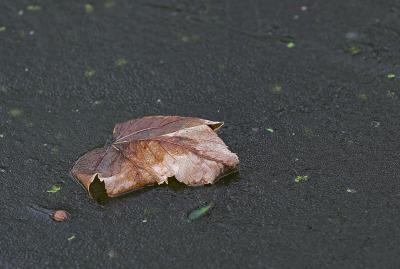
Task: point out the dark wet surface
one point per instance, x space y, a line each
318 73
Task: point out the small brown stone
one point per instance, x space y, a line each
60 215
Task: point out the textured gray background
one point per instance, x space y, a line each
336 119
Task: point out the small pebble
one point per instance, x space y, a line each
303 8
60 215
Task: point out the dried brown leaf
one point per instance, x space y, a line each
152 149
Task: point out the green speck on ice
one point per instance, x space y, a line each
109 4
290 45
308 131
55 188
221 67
89 8
199 212
276 88
90 73
299 179
354 50
121 62
391 75
190 38
270 130
363 97
33 8
71 237
15 112
2 28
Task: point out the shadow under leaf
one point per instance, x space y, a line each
98 191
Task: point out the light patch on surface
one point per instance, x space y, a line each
351 190
299 179
352 35
290 45
276 88
375 124
354 50
363 97
71 237
89 8
391 75
109 4
90 73
15 112
121 61
190 38
33 8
